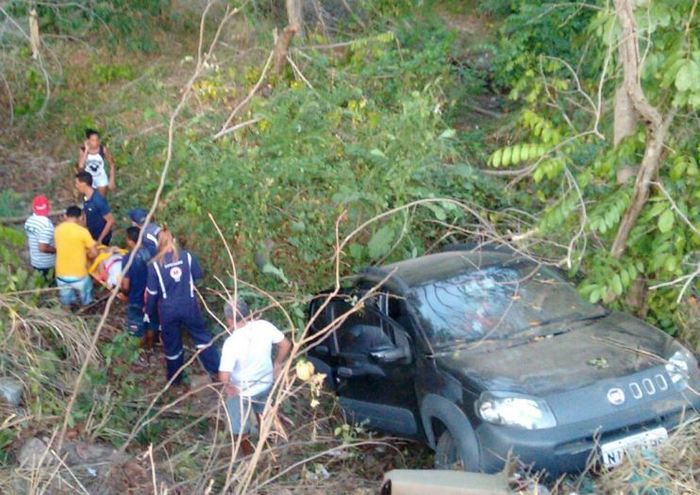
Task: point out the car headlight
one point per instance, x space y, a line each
680 366
503 408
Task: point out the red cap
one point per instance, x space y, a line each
41 206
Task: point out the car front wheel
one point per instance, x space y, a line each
448 454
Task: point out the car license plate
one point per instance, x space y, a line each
612 453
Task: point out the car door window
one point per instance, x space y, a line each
363 339
364 330
325 340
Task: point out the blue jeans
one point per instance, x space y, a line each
70 289
241 408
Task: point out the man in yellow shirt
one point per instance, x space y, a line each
74 245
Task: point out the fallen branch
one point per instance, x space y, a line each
244 102
236 127
23 218
483 111
299 74
686 280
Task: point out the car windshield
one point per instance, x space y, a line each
496 302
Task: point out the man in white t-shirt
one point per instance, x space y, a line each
39 230
247 368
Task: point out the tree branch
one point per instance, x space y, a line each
656 126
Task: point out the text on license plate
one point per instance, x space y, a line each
613 452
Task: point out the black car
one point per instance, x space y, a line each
485 354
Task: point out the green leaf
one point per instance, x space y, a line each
356 250
380 243
671 264
437 210
616 285
447 134
624 276
539 173
517 152
507 153
657 209
496 158
666 220
688 76
270 269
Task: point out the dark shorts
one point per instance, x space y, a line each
46 274
134 320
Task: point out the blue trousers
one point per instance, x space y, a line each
171 327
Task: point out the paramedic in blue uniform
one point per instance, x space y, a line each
133 284
150 230
170 291
150 245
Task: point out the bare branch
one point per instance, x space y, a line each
245 100
674 206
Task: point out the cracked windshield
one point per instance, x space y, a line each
497 302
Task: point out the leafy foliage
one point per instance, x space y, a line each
132 21
564 142
369 136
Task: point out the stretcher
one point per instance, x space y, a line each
106 268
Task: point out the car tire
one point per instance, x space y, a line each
449 455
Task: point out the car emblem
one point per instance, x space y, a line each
616 396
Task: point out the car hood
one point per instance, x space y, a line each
589 352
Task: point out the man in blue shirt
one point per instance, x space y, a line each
150 230
134 286
98 215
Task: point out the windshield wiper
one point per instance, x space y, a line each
461 344
562 319
517 335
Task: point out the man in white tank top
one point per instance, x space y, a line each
93 158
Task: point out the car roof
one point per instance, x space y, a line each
416 271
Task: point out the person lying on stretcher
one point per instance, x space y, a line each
107 266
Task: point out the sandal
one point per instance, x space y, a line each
142 361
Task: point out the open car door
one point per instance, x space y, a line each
369 360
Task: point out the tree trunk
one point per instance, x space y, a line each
281 48
656 126
295 16
625 118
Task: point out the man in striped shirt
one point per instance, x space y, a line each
40 230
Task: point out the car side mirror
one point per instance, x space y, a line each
390 355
